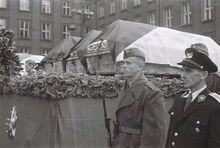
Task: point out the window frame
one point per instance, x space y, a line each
66 10
47 31
152 21
44 7
168 17
25 29
124 5
3 4
207 9
112 7
136 3
186 13
101 12
67 33
26 6
5 22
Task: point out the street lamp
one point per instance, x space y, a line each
85 14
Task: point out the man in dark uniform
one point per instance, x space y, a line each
140 116
213 82
195 114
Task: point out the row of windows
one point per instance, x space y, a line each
25 29
123 6
24 5
44 51
186 12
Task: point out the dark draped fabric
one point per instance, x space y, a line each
68 123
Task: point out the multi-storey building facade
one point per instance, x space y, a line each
40 25
195 16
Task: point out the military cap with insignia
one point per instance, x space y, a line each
133 52
197 56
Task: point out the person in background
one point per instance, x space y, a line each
140 116
39 70
29 67
195 114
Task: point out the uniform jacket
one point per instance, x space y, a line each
213 82
141 107
198 126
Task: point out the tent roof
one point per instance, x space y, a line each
167 46
90 36
81 48
122 33
62 49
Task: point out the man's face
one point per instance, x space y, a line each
192 77
130 66
29 67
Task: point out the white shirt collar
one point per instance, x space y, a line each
196 93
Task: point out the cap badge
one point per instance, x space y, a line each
189 55
201 98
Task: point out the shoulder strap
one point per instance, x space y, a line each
215 96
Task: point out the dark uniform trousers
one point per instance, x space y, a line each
198 126
140 117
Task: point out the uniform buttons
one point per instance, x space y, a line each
172 113
197 122
173 143
175 134
197 129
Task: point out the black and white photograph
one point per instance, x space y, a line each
109 73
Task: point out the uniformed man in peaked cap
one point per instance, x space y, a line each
195 114
140 115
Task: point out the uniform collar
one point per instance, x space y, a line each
141 77
196 93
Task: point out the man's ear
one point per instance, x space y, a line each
205 74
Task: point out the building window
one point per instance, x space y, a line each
66 31
102 12
136 3
207 10
24 50
24 29
168 17
212 35
149 1
66 9
2 23
186 11
86 30
138 19
112 7
2 3
24 5
45 31
152 18
124 5
45 52
46 6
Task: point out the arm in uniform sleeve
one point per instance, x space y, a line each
214 131
154 126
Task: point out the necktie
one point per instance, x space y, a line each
188 102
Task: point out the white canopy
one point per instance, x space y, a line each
167 46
